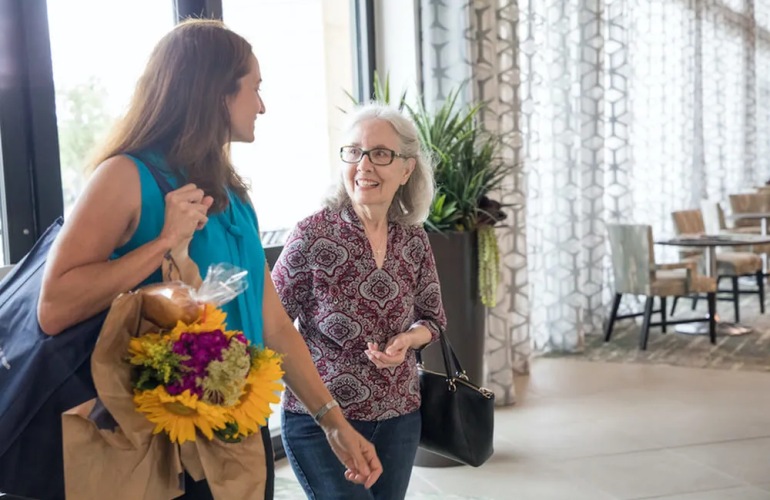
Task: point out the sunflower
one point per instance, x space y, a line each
212 319
179 415
262 385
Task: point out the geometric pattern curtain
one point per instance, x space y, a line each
454 53
614 111
631 109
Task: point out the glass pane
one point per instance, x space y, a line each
95 65
306 70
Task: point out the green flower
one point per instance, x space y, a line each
226 378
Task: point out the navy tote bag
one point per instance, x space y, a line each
41 376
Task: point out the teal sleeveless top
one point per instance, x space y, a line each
230 237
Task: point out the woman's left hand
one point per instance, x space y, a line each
394 353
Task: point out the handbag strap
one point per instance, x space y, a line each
160 179
452 365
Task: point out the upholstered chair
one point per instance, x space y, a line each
636 273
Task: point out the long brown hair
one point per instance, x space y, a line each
179 107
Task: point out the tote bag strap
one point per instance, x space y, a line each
160 179
452 366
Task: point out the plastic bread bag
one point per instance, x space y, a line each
167 303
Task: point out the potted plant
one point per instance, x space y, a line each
468 167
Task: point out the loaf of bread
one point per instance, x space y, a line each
166 303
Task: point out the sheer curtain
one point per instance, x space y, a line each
462 45
613 111
633 109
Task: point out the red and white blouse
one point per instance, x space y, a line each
327 278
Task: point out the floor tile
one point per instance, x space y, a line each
502 479
739 493
647 474
748 460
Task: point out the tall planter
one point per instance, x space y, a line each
456 256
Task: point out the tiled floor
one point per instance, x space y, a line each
598 431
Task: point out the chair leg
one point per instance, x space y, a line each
695 301
645 333
613 315
711 297
673 305
663 314
736 299
761 289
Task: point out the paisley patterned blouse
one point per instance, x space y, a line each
327 278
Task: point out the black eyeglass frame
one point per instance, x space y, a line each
365 152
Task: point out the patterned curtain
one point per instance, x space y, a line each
470 44
613 111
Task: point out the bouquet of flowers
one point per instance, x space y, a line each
170 377
200 375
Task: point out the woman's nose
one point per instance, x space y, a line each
365 164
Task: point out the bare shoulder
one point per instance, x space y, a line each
115 182
118 172
110 204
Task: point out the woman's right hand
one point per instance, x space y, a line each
354 451
186 212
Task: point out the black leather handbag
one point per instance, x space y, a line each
458 416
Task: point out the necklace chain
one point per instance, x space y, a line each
377 249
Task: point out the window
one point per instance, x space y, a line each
95 68
305 52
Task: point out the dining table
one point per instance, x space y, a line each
709 244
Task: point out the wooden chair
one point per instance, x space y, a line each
730 264
749 203
636 272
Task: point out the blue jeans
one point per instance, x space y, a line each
322 475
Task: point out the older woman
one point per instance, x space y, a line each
361 278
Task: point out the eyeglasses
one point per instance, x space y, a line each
378 156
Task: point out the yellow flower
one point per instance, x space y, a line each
262 388
212 319
139 347
179 415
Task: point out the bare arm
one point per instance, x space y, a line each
80 280
302 378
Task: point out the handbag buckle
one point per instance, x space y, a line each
452 386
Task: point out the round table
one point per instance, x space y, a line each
710 242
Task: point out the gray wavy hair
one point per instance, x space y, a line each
411 203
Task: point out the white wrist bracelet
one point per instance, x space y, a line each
324 410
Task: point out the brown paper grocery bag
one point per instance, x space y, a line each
110 451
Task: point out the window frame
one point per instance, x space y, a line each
29 141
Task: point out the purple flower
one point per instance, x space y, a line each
199 350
